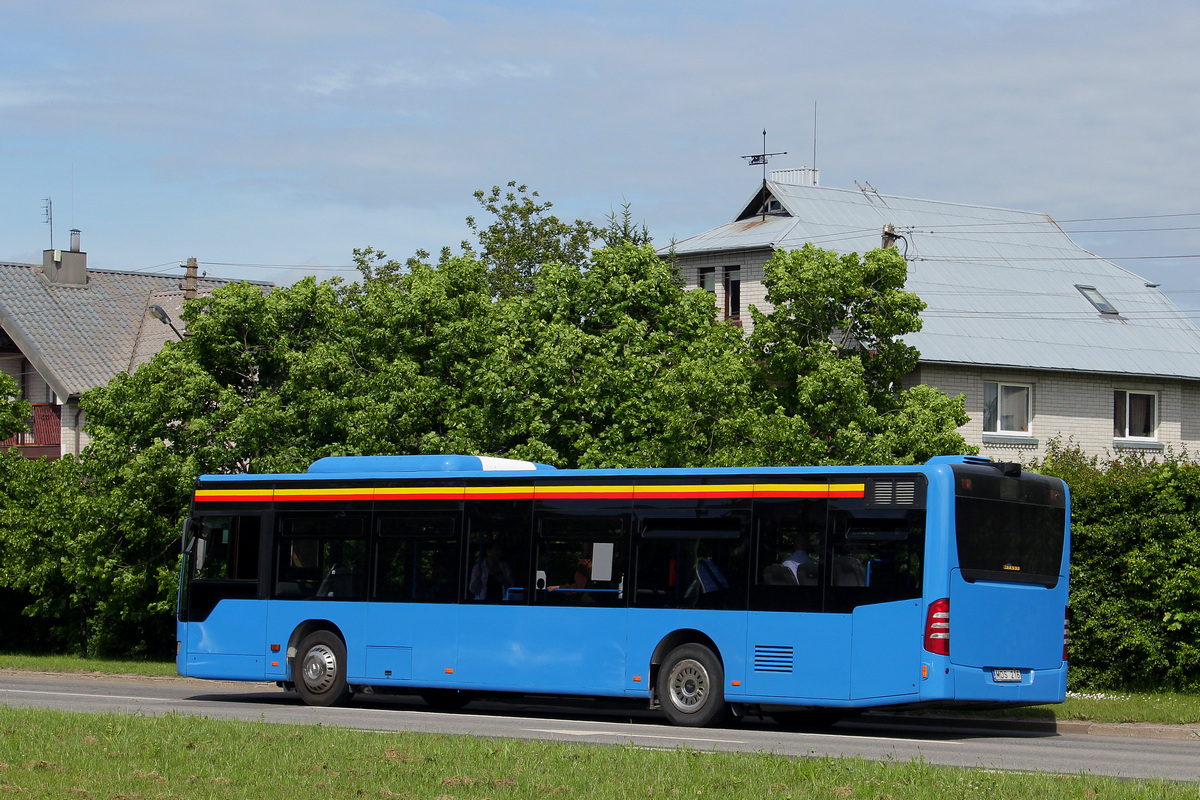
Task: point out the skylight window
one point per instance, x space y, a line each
1096 299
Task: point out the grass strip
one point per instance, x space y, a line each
112 666
56 754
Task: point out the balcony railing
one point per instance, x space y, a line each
45 428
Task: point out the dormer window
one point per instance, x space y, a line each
1096 299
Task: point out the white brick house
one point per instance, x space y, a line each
1044 339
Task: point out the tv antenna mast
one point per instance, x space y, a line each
763 158
48 211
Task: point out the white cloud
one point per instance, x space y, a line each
331 112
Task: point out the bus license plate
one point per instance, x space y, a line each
1006 675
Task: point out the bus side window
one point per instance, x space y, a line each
789 552
226 548
684 563
223 561
322 556
580 561
498 551
416 558
874 557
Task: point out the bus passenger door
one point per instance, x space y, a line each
875 561
794 651
220 609
411 635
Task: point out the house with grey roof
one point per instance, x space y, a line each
1045 339
65 328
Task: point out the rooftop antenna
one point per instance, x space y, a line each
48 211
814 135
762 158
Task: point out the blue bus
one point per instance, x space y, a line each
799 593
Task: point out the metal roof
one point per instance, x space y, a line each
1000 285
78 337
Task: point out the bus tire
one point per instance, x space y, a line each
320 670
691 687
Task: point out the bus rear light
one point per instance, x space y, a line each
937 627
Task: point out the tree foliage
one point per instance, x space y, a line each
832 362
533 346
1135 569
523 236
14 410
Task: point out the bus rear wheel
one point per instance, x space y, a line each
320 670
691 687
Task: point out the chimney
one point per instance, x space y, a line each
804 176
889 237
189 280
66 267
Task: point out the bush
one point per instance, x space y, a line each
1135 569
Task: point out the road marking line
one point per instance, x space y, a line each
98 696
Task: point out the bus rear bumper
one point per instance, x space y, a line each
975 684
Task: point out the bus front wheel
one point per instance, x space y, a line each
691 686
320 670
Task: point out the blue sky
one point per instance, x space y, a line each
273 133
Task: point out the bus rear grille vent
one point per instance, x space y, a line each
773 658
894 493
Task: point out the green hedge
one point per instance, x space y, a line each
1135 569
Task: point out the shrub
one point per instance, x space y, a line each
1135 569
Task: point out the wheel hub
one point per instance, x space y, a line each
319 669
689 685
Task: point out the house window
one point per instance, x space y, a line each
733 292
708 279
1007 407
1135 414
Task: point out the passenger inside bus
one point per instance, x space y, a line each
579 582
491 577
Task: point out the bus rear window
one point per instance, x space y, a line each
1010 529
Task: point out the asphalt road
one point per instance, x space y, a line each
606 722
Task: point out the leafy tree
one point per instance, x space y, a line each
610 366
15 411
523 236
833 361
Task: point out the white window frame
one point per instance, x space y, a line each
731 282
1122 433
998 416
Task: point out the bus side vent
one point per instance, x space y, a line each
773 658
893 493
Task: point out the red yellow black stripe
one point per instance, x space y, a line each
571 492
